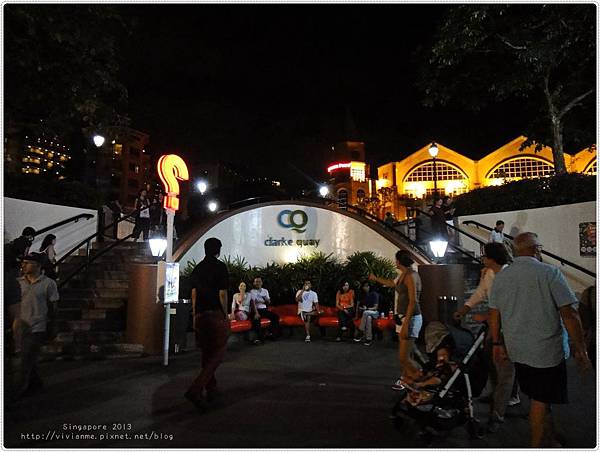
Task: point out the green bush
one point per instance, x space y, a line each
528 194
324 271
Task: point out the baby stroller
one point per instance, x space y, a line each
451 403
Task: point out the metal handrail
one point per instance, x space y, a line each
361 212
74 219
88 240
562 261
89 261
456 247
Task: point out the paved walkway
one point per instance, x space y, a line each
282 394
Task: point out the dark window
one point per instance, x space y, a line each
133 183
134 151
132 166
355 155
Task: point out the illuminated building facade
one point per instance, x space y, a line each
411 179
349 174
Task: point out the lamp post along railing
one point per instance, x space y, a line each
433 152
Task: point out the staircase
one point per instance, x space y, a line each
92 310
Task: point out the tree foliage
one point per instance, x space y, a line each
62 67
543 55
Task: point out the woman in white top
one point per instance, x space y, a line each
241 305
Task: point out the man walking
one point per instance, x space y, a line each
528 300
37 293
209 303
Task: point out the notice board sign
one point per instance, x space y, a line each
167 282
587 239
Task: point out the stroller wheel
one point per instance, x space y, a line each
474 428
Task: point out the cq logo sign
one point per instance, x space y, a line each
296 220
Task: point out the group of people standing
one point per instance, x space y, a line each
150 214
442 214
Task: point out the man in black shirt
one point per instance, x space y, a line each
209 298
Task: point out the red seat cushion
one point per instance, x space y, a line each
328 321
239 326
290 320
385 324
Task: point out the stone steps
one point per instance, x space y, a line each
91 312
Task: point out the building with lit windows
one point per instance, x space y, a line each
38 155
349 174
123 166
406 181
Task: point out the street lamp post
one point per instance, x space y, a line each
171 168
433 152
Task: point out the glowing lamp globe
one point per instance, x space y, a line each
158 245
98 140
438 247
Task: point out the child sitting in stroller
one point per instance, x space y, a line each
423 388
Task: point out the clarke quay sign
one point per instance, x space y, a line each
297 221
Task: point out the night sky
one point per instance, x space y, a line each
266 86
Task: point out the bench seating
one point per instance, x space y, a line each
288 317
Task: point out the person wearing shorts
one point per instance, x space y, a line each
308 306
529 299
406 310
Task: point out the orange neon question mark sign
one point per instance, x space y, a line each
172 168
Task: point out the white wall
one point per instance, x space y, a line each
245 234
557 227
19 213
